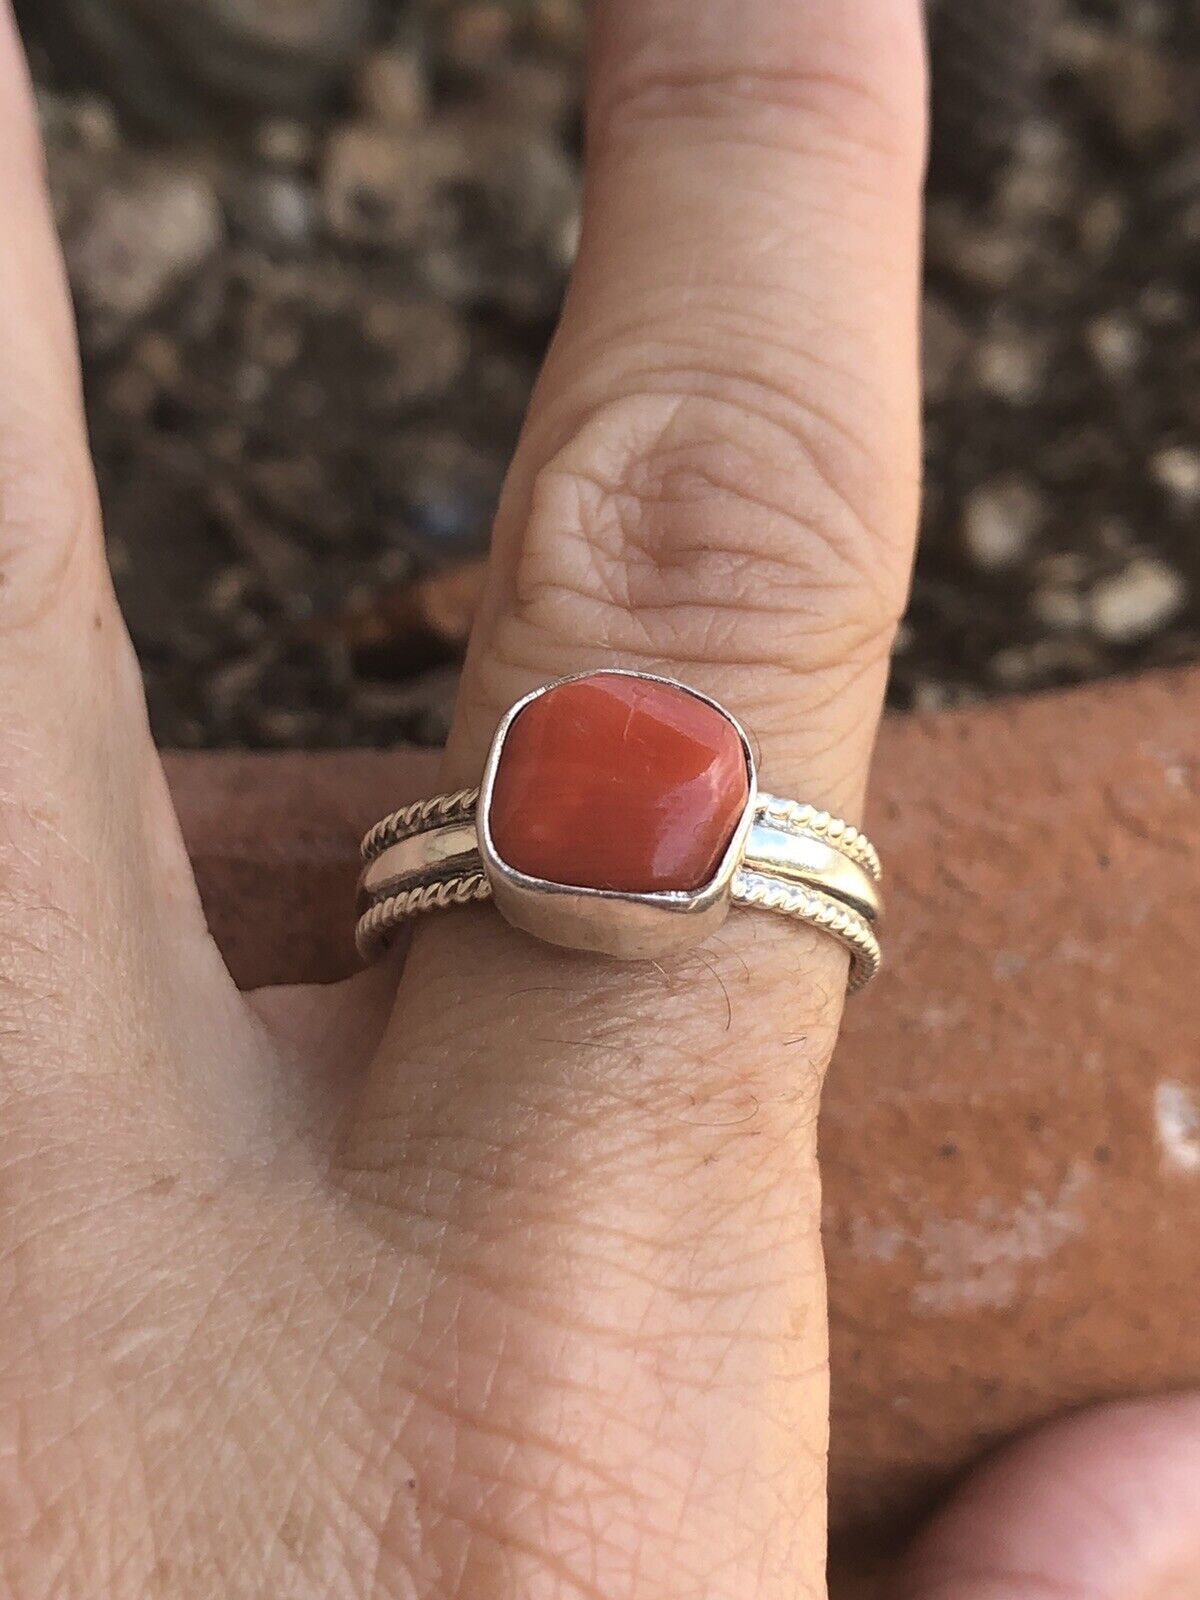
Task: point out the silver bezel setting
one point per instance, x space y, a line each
617 923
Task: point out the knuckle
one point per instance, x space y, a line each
684 528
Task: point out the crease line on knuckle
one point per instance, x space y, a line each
833 112
684 364
793 426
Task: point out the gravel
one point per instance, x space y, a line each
1137 602
318 248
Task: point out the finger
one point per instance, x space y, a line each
96 899
1105 1506
717 481
718 477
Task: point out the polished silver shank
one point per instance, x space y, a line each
800 858
444 852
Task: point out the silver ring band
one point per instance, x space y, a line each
425 857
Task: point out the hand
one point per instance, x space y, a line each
501 1277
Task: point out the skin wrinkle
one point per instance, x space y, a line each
541 1304
830 234
831 448
727 98
625 1154
631 437
553 606
266 1365
546 1202
513 1298
634 558
726 340
820 346
711 124
635 1013
573 1496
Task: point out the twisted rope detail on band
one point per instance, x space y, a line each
380 920
439 812
819 911
750 889
851 841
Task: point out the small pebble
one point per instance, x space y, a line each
1177 468
1115 343
136 239
1134 603
441 494
999 522
1164 305
1064 567
904 638
1059 607
1034 189
525 89
1134 85
275 210
96 124
975 254
393 88
1101 225
559 24
1045 661
928 694
1116 538
478 32
426 344
379 190
284 142
1012 368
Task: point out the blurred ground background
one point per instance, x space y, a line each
317 247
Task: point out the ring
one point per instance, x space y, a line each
620 814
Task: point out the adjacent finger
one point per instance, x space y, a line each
96 898
1103 1506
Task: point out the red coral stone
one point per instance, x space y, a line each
618 783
